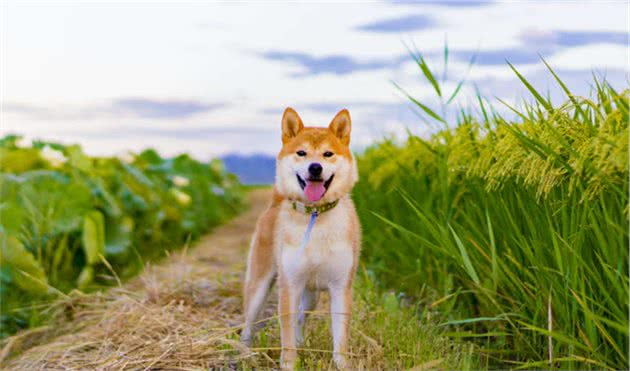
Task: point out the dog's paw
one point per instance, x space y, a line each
299 338
287 360
340 361
287 366
246 338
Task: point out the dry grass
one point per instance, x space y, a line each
169 323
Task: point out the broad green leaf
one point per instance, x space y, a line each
44 194
19 160
11 217
118 237
78 159
93 237
86 277
27 273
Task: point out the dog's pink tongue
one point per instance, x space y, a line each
314 190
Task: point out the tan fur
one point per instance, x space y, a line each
330 258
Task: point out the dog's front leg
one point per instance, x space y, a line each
340 311
290 293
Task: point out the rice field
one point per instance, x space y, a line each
511 229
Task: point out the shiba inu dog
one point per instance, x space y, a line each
309 238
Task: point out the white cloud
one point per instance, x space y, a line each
600 57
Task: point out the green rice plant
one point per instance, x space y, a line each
516 230
71 221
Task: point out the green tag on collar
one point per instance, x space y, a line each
309 209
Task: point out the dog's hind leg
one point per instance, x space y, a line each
260 275
257 292
307 304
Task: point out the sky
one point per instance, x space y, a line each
214 78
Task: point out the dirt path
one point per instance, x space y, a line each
179 314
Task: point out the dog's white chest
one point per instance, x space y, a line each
327 256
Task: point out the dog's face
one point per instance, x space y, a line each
315 165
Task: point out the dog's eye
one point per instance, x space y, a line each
328 154
300 153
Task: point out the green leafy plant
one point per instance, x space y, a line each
67 220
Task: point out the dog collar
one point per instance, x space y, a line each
309 209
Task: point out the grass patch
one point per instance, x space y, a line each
387 333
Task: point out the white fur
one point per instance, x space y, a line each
327 257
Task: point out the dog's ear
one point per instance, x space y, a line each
291 124
341 126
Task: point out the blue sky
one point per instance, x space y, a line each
213 78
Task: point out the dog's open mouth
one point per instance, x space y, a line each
314 189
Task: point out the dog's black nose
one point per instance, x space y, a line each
315 169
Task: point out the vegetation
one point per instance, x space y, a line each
515 231
70 221
387 333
